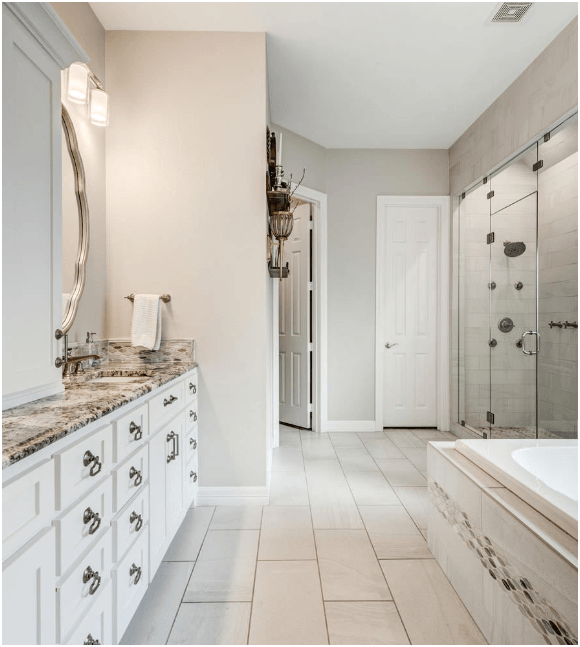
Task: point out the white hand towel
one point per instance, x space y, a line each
146 326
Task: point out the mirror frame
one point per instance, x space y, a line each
70 313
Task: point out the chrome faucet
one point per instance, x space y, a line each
70 365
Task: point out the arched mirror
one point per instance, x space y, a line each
75 225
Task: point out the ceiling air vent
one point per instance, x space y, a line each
509 12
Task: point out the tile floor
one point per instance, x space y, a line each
338 557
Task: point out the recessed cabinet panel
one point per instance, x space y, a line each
167 403
76 590
191 480
173 478
27 506
82 465
130 477
78 528
191 388
130 432
28 600
98 622
157 527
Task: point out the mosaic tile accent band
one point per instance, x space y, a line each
538 611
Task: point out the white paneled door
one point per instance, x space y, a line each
409 321
294 324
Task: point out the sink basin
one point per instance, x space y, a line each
116 379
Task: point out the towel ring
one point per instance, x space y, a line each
166 298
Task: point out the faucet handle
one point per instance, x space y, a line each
90 337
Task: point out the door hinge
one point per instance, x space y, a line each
310 407
463 196
310 285
310 224
463 423
491 238
490 417
485 180
310 346
538 165
547 137
490 195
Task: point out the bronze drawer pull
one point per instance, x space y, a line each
89 574
193 414
135 570
193 387
172 399
88 458
193 443
136 517
136 474
93 518
136 429
193 475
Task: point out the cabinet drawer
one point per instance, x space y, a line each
131 431
130 476
131 579
167 403
191 388
97 624
191 414
191 444
27 506
82 524
190 481
76 592
130 523
79 467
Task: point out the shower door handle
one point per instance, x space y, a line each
531 352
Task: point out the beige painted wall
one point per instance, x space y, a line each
91 315
545 91
186 214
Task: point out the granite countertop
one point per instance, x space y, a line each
30 427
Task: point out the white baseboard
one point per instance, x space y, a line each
232 496
351 425
30 395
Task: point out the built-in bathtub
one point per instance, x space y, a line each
544 473
502 524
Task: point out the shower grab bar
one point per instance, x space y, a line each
530 352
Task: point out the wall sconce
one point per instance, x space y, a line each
80 76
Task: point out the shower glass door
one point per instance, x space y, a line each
513 342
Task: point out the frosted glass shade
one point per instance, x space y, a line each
99 108
78 83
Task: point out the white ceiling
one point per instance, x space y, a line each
370 74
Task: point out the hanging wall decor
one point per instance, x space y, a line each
281 206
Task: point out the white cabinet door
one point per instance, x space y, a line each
173 476
294 327
28 600
158 448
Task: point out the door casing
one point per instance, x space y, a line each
442 204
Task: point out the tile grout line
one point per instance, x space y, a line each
255 576
191 574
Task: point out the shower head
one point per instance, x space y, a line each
513 249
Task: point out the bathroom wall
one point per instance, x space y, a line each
186 214
535 101
558 278
352 179
91 315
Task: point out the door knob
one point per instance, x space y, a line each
389 345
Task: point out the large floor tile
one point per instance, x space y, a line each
237 517
188 539
364 623
400 472
224 571
404 438
288 608
288 488
417 456
430 609
393 533
211 623
388 519
416 502
342 440
154 617
356 460
382 448
349 569
289 437
371 488
287 534
287 459
334 508
427 435
318 448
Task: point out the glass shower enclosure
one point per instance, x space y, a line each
515 295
